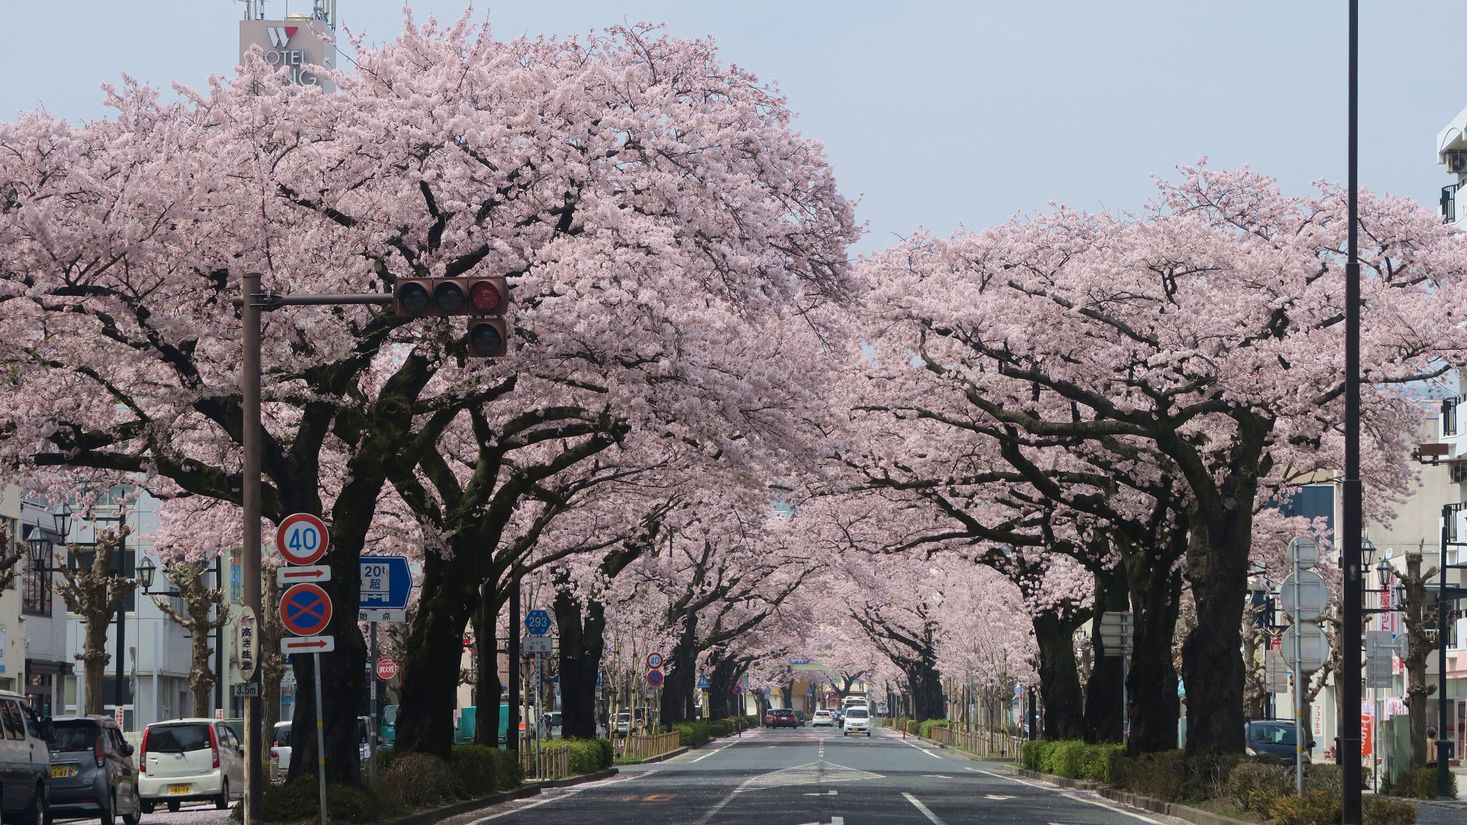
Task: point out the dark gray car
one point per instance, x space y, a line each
1273 737
92 770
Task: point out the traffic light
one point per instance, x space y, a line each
440 297
488 338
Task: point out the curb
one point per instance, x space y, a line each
663 757
435 815
1145 803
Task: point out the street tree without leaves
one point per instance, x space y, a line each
650 206
1206 331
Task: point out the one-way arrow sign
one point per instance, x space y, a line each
308 644
286 576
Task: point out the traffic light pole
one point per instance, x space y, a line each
252 302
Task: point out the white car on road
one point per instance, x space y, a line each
858 720
189 760
823 719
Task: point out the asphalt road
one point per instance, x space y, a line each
804 776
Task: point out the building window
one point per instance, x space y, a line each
1449 416
35 592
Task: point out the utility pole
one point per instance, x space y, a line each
1349 725
252 302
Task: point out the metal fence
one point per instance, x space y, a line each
992 744
644 747
544 764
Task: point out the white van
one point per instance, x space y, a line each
855 702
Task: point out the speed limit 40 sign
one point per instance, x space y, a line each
301 538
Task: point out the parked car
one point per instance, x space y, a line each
188 760
858 720
823 719
781 718
25 763
1273 737
92 770
280 746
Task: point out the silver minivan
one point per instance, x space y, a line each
189 760
25 763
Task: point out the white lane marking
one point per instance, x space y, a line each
823 793
718 806
996 797
568 794
923 750
1110 808
927 812
710 753
517 810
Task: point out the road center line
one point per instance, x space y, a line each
927 812
1110 808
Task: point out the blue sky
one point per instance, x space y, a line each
934 113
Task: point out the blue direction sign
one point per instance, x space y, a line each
386 582
305 610
537 622
654 678
704 683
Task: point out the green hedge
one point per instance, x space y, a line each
1419 783
586 755
300 799
1263 786
692 733
1073 758
927 726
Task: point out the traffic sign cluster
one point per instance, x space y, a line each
305 607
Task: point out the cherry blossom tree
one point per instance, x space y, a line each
1203 331
649 204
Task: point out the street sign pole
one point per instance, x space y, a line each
539 714
320 738
1298 685
372 694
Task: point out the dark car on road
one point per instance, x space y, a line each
1273 737
781 718
92 770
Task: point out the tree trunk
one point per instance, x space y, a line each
94 658
271 662
1059 678
1418 647
925 684
486 668
721 680
434 652
1212 660
1102 718
582 642
1156 597
680 674
200 677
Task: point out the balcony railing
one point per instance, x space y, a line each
1449 204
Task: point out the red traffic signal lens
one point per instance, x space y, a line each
485 297
412 298
449 296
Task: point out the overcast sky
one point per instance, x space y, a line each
933 113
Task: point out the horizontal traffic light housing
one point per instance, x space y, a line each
488 338
441 297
